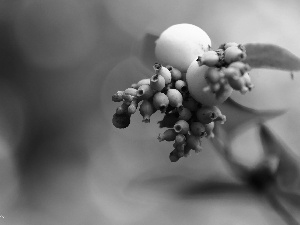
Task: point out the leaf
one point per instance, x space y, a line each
271 56
288 171
145 50
239 115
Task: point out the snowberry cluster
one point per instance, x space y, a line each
188 90
166 91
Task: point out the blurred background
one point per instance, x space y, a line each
62 161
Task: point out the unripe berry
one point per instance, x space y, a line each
163 71
238 84
197 129
121 120
160 101
248 82
157 82
209 130
118 97
233 54
175 98
180 139
231 73
145 92
185 114
213 75
181 127
190 104
130 91
133 106
194 143
168 135
180 44
175 73
243 67
140 83
174 156
146 110
122 109
181 86
196 82
207 114
128 98
209 58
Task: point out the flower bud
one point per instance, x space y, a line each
207 114
160 101
163 71
181 86
233 54
190 104
209 130
140 83
181 127
130 91
197 129
121 121
185 114
118 97
194 143
175 98
122 109
168 135
146 110
157 82
144 92
209 58
175 73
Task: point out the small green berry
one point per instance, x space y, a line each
146 110
145 92
168 135
194 143
185 114
175 98
130 91
209 130
175 73
174 156
157 82
123 108
163 71
181 127
160 101
121 121
233 54
197 129
207 114
118 97
181 86
141 82
209 58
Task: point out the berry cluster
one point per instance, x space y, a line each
188 120
226 69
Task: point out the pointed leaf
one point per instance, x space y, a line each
288 171
271 56
238 115
145 50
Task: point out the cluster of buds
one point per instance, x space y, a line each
166 91
227 69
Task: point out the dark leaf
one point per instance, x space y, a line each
288 171
271 56
145 50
